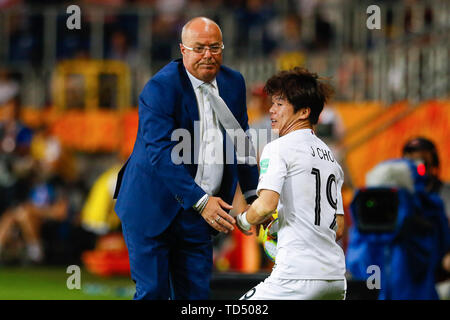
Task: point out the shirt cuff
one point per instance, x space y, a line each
199 202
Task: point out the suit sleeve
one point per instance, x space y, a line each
247 174
156 116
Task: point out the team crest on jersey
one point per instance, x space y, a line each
264 164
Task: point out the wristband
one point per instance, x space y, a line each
243 222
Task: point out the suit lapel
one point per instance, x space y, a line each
190 109
189 99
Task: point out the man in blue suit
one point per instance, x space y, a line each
169 210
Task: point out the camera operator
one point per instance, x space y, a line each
423 150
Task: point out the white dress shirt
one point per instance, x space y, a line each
210 158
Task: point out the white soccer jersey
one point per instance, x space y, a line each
302 169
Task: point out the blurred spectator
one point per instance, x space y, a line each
25 41
117 21
350 75
305 8
316 16
252 18
258 107
28 216
291 39
164 38
396 76
45 219
259 117
23 211
71 42
62 237
121 49
197 8
212 9
170 9
9 88
15 140
324 34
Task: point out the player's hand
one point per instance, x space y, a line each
265 223
216 217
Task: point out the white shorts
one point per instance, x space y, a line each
294 289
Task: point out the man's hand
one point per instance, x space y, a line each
216 217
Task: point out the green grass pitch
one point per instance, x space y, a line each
50 283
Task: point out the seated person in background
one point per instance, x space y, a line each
49 198
28 217
15 160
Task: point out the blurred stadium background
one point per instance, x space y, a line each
68 116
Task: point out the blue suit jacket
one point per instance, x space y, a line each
151 189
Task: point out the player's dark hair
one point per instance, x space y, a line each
303 89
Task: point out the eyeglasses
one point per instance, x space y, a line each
202 49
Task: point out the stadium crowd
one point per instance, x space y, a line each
44 191
309 30
41 193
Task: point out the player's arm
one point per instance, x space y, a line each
446 262
340 226
340 206
272 176
260 210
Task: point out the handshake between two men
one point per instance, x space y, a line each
259 212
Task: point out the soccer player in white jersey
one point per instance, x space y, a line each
300 175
